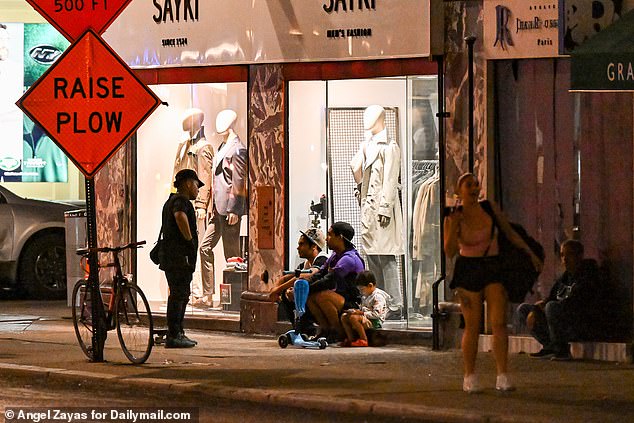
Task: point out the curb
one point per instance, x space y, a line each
264 396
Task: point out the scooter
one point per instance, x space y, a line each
294 337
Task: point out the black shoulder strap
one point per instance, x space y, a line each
486 206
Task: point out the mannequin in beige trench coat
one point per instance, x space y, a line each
376 167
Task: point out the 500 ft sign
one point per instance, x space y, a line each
70 5
102 87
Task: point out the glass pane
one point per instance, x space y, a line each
171 139
423 198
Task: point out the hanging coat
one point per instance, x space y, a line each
377 167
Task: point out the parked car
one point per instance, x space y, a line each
32 245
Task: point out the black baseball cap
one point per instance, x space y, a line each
185 174
345 230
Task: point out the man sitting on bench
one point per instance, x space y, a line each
569 312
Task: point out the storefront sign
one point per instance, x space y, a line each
89 102
581 20
516 29
266 217
73 17
606 62
218 32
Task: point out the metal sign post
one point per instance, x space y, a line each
99 332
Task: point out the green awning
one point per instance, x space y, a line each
606 61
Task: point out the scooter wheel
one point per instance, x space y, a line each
322 344
282 341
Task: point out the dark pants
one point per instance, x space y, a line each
216 229
178 282
554 327
305 324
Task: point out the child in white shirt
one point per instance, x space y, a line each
374 308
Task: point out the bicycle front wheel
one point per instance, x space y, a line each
134 324
82 317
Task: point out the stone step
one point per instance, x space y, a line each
602 351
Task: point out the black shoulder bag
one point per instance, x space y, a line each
518 270
154 252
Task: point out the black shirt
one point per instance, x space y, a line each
176 252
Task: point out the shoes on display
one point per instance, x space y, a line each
235 260
543 353
471 385
503 383
204 301
179 342
359 343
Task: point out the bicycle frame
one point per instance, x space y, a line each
134 324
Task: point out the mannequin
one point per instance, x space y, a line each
229 196
197 153
376 168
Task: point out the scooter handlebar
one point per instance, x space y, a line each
296 272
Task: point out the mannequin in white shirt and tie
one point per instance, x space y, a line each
229 196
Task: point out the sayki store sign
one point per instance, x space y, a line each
220 32
73 17
89 102
520 29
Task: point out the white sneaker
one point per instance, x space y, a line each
503 383
471 385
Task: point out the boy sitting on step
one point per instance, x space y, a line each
374 308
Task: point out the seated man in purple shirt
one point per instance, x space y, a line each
333 289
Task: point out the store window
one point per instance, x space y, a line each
27 154
181 135
328 128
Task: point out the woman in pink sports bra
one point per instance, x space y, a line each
472 234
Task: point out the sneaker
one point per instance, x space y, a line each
359 343
178 342
186 338
543 353
562 356
471 385
345 343
503 383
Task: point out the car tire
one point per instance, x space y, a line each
43 267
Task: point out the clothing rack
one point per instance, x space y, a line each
424 164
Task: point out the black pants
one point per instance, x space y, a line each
179 284
305 322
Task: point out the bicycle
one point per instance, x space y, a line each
127 310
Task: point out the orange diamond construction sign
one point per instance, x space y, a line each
89 102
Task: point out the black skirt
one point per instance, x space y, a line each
474 273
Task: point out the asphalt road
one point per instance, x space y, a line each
27 394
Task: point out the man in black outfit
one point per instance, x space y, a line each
178 253
570 310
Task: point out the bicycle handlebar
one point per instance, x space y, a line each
86 251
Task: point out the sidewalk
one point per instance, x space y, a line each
398 381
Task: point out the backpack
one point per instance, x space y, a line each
519 274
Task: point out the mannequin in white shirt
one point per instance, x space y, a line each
229 195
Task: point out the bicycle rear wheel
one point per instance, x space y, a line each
134 324
82 317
